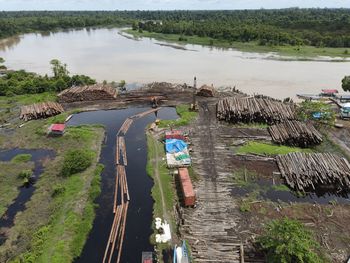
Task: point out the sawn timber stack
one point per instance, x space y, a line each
251 109
40 110
295 133
88 93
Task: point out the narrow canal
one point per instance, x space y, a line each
139 218
26 192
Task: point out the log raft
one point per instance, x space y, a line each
40 110
251 109
306 171
88 93
295 133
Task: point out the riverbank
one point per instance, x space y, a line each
301 53
56 221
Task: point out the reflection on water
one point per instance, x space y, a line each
106 55
7 43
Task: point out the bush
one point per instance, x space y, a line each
287 240
76 161
22 158
58 189
25 174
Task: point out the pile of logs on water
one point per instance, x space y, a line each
306 171
295 133
121 192
40 110
88 93
253 109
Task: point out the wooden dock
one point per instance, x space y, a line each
121 192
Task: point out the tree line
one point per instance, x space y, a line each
23 82
315 27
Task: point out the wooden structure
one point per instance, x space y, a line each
189 196
40 110
121 192
88 93
295 133
304 171
250 109
206 91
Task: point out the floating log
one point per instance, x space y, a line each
40 110
251 109
303 171
295 133
88 93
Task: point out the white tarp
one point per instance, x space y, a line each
166 236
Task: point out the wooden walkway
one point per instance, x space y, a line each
121 192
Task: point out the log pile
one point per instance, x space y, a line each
253 109
295 133
305 171
40 110
88 93
206 91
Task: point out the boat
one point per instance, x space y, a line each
181 254
147 257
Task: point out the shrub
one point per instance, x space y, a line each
58 189
25 174
76 161
287 240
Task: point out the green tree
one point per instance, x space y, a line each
59 70
2 60
287 241
76 161
345 83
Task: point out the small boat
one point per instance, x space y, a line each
147 257
181 254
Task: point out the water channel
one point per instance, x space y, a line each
139 217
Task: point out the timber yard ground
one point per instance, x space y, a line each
237 189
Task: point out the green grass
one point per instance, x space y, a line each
166 181
254 147
186 117
21 158
59 215
10 182
304 52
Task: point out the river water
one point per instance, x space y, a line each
139 218
106 55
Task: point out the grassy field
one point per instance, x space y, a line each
186 117
59 216
10 182
167 185
303 52
253 147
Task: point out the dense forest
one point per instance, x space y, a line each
315 27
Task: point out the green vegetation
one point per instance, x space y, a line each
59 215
21 82
76 161
254 147
21 158
287 240
346 83
155 150
303 52
186 117
10 182
307 109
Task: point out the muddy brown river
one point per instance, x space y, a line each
106 55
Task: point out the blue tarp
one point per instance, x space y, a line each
174 145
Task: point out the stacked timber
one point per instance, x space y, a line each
305 171
295 133
40 110
206 91
251 109
88 93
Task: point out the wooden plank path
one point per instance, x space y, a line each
121 192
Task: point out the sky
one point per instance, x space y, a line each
165 4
